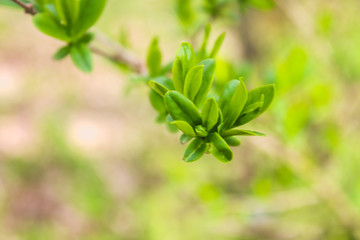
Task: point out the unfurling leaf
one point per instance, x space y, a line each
184 127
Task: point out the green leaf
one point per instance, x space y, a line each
195 150
184 127
210 113
265 93
181 108
62 53
82 57
220 149
49 25
193 81
177 75
217 45
159 88
185 59
153 60
157 102
232 141
232 101
89 13
184 138
201 131
202 51
234 132
207 80
67 11
252 107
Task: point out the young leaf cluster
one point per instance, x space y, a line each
184 102
69 21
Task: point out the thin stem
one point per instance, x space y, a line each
28 7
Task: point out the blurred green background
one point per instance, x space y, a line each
81 156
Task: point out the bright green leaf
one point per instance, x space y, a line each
200 131
184 127
217 45
265 93
220 149
210 113
153 60
238 132
195 150
181 108
159 88
207 80
232 101
232 141
193 81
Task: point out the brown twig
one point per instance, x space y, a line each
28 7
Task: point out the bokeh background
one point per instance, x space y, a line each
81 156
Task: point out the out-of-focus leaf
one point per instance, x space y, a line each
202 51
185 59
185 12
217 45
89 13
49 25
82 57
153 60
184 138
62 53
67 11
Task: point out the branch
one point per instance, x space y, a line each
28 7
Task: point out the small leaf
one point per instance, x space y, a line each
82 57
187 57
252 107
232 101
266 94
159 88
220 149
49 25
62 53
233 132
207 80
177 75
195 150
153 60
202 51
181 108
184 139
232 141
184 127
217 45
210 113
201 131
193 81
